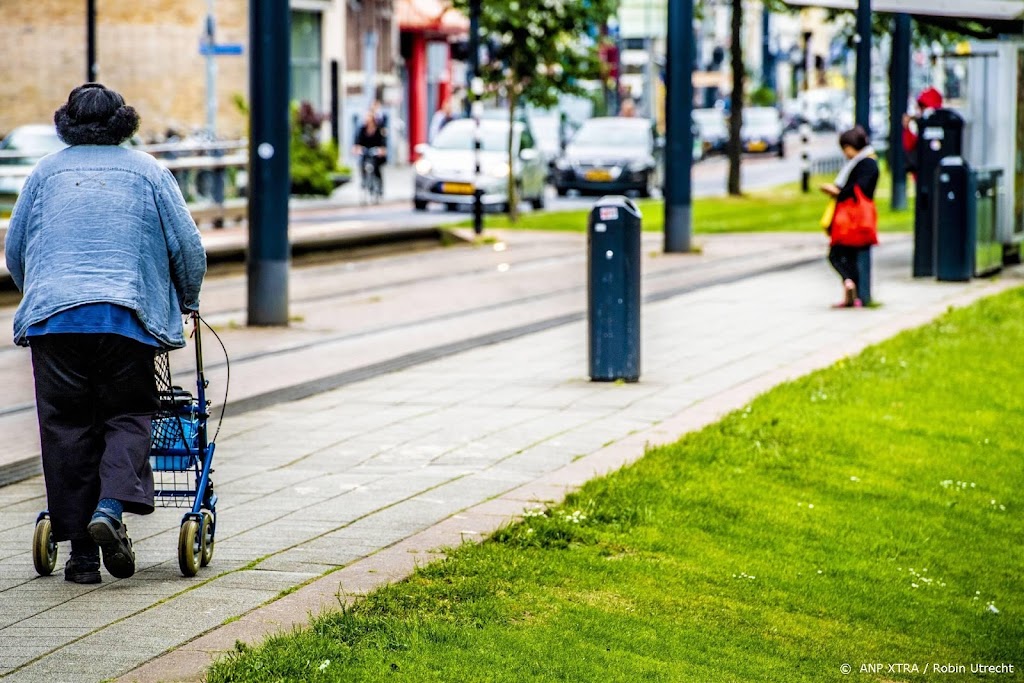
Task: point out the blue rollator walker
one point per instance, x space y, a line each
181 456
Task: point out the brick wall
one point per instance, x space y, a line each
148 50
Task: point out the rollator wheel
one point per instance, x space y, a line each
44 548
190 546
209 531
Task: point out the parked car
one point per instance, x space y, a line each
551 131
445 171
19 152
762 131
611 154
712 130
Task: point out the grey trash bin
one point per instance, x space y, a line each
613 290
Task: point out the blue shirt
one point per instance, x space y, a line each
104 224
95 319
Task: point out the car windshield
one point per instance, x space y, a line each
761 118
33 141
459 134
545 132
709 120
613 133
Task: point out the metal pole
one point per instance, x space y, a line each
477 89
767 56
473 62
217 175
211 71
678 132
899 93
335 104
805 157
91 67
269 87
863 80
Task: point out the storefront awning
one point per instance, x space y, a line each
430 16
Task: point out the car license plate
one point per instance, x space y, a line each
598 175
757 146
457 188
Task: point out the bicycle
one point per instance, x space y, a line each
373 184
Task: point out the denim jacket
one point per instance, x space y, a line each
99 223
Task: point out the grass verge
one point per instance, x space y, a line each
783 208
867 513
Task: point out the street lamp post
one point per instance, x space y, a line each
91 67
898 96
678 151
269 183
863 81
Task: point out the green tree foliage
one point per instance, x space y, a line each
539 50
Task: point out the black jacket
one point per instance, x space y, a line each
864 176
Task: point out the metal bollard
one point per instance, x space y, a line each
613 290
954 231
805 157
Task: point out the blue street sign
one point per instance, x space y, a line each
226 49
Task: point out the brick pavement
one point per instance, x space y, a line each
344 490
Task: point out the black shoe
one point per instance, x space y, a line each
111 535
83 569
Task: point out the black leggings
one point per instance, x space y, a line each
844 260
95 396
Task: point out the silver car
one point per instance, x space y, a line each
19 152
445 171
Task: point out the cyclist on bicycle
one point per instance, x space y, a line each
372 139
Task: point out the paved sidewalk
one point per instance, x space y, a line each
354 487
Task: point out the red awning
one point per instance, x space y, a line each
432 16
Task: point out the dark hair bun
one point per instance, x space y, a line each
95 115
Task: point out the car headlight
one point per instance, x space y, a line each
638 166
562 164
424 167
499 170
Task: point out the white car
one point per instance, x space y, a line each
445 171
19 152
763 131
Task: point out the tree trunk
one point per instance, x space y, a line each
513 200
736 98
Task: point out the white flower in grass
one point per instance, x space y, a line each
324 664
992 608
855 479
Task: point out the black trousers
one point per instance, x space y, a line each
95 397
844 260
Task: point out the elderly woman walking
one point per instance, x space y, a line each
108 258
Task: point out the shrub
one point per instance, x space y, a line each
313 164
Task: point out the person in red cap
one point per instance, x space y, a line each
928 101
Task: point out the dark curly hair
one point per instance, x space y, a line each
856 137
95 115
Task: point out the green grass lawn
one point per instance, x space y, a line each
783 208
869 512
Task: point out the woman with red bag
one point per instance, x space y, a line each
854 224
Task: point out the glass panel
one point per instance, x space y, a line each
306 58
